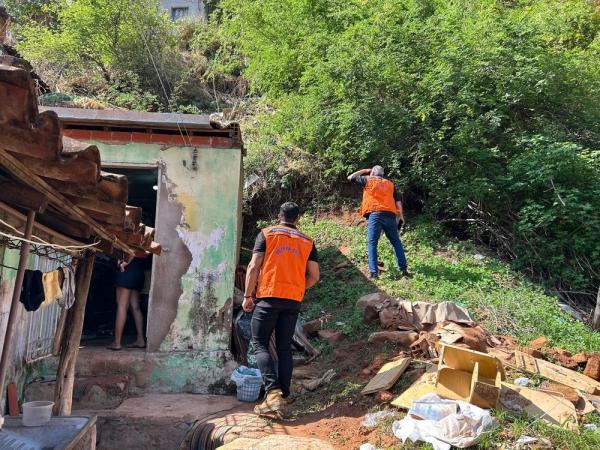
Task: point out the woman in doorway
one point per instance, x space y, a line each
129 283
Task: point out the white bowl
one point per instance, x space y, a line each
36 414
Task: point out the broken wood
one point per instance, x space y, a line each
556 373
13 400
540 405
20 171
65 225
65 377
425 384
387 376
76 171
470 376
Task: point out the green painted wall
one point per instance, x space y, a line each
204 184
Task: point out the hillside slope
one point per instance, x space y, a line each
444 269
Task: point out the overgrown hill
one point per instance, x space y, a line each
444 269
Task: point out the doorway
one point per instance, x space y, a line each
101 308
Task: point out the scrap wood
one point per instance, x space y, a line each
314 383
553 372
425 384
536 404
387 376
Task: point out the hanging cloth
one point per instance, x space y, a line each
68 288
52 291
32 292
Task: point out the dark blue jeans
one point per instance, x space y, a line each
386 222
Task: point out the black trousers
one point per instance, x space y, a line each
277 315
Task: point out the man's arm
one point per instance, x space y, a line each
251 280
360 172
400 214
312 274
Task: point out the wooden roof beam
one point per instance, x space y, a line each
21 172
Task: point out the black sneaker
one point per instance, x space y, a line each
374 276
406 273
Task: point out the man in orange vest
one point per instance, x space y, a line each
284 264
382 207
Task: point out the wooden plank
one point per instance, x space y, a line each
554 410
17 220
19 195
65 377
13 400
21 172
424 385
76 170
113 209
65 225
556 373
387 376
465 359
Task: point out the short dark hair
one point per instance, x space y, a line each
290 211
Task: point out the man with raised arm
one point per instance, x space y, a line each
382 207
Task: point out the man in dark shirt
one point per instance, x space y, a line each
284 264
382 207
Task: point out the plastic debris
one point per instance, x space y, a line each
523 381
367 447
460 429
525 440
372 419
591 427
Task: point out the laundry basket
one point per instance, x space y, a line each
248 382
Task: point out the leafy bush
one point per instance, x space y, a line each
486 111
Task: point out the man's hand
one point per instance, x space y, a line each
248 304
359 173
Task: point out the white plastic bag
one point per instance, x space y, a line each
371 420
242 373
461 429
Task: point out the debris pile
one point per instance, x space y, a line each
458 371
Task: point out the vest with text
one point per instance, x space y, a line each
283 273
378 195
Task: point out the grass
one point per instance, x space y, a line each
444 269
502 300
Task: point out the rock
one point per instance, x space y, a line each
563 357
333 337
560 390
475 338
580 358
312 327
393 318
384 397
532 352
400 338
371 304
539 343
592 368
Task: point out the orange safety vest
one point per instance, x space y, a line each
283 273
378 195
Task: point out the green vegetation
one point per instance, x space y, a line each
444 269
485 111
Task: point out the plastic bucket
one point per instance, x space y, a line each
249 389
36 414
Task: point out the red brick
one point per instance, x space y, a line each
539 343
592 368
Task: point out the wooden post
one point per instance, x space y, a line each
596 319
14 306
65 377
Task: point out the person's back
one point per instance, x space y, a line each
284 264
382 207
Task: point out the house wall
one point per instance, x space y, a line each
196 7
198 225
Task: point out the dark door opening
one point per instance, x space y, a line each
101 308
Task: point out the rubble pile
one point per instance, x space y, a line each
449 361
